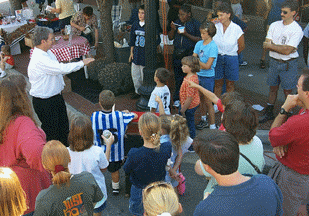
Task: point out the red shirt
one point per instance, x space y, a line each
21 150
294 133
10 60
186 92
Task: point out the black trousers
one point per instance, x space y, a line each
52 113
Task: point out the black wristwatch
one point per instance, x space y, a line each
283 112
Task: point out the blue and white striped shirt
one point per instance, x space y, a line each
116 122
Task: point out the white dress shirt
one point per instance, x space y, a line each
282 34
227 41
46 73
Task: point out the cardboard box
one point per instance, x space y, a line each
29 40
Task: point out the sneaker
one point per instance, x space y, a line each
116 191
201 125
216 108
3 74
267 115
176 103
190 149
244 63
213 127
181 185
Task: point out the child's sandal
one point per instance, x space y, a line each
262 64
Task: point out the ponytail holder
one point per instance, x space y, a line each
59 168
165 214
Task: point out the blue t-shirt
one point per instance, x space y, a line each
193 28
146 165
257 196
205 52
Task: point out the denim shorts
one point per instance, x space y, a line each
283 73
207 82
227 68
136 201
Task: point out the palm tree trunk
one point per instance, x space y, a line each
105 7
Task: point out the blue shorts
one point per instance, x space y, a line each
227 68
284 73
100 209
136 201
207 82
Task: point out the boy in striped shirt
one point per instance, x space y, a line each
116 122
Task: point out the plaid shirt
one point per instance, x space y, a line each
79 20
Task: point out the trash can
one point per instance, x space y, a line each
122 54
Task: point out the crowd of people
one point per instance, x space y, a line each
58 168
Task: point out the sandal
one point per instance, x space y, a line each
262 64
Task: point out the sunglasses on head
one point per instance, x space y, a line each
149 187
284 12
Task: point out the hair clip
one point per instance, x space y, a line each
165 214
59 168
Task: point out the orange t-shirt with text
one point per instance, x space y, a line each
186 91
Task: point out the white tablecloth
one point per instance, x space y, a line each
13 26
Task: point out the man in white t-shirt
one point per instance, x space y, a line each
282 41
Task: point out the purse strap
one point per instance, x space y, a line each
254 166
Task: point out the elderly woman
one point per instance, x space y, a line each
230 41
185 32
84 23
240 120
21 142
65 9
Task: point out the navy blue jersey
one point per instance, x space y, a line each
137 39
193 28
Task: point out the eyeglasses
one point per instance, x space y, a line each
149 187
284 12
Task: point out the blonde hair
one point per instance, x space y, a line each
165 121
13 197
179 131
55 153
160 197
13 103
149 126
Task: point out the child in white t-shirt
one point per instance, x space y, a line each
161 77
87 157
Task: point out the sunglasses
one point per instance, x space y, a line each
150 187
284 12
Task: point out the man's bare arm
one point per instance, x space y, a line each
281 49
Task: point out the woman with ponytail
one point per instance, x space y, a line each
146 164
69 194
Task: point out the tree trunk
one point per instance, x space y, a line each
15 5
105 7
